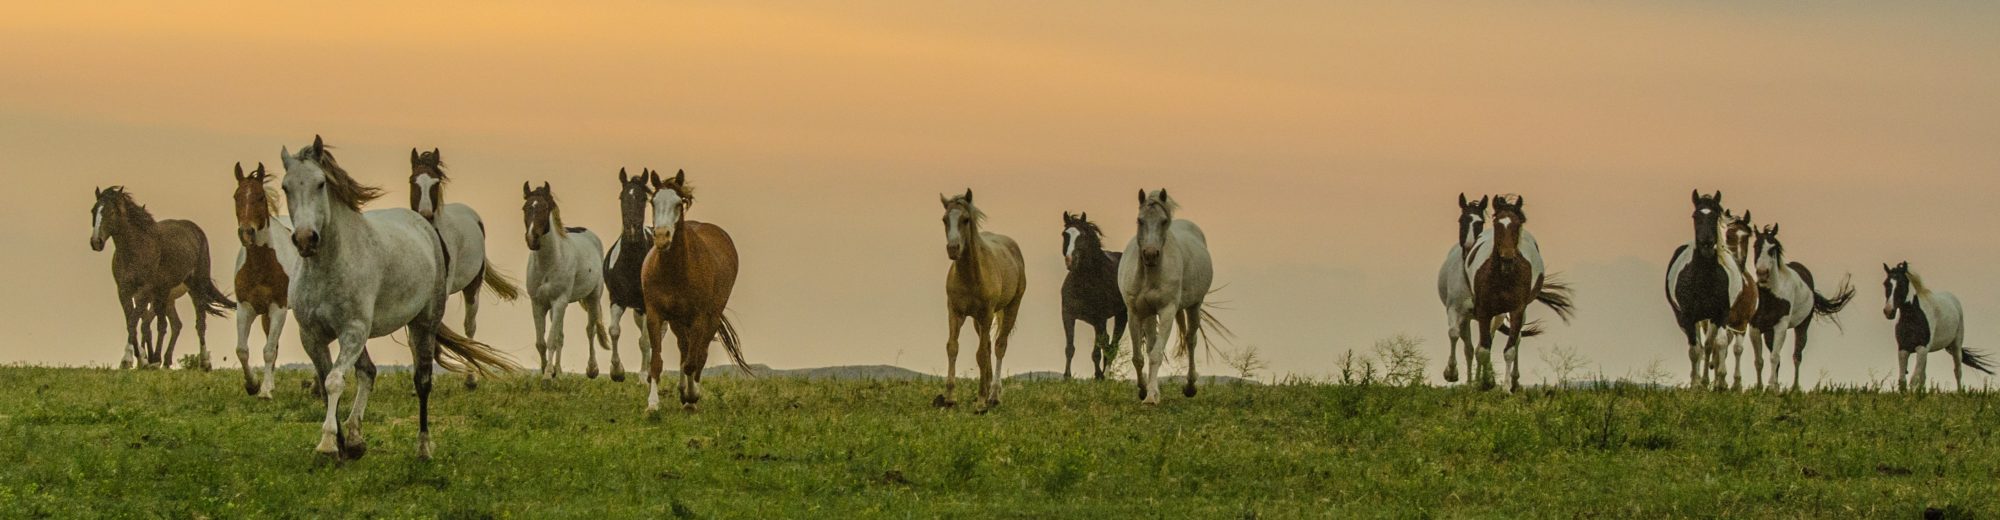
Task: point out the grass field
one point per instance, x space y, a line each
82 443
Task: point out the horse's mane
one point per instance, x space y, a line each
436 163
965 203
134 211
1161 197
1090 229
342 187
1917 283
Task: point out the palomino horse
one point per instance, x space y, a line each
1738 234
1090 293
1164 277
1455 290
1712 298
563 268
154 264
623 266
1787 301
464 241
1926 321
688 278
363 276
263 273
985 283
1504 269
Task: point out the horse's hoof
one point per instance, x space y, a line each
943 402
250 388
424 447
327 446
592 373
1450 375
1188 390
471 384
266 395
617 377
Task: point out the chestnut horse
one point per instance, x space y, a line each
154 264
1506 274
688 278
263 273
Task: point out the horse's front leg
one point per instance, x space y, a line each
540 309
352 446
655 326
593 331
1002 336
617 367
1069 346
1719 340
315 342
556 338
1142 341
1519 320
1156 350
1100 352
1902 370
125 305
1920 379
1451 352
954 322
246 317
1483 372
274 328
983 325
173 324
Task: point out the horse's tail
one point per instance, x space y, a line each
1824 307
463 355
1976 359
207 298
733 342
1532 329
502 286
1557 295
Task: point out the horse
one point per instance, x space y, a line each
688 277
1713 299
1926 321
263 274
1164 277
1090 293
1505 271
1787 301
563 268
153 265
623 266
1454 290
362 276
1738 234
464 241
985 283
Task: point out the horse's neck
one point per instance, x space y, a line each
554 245
347 233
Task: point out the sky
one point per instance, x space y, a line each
1321 147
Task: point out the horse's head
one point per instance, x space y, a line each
1471 220
1770 253
961 224
1156 213
316 187
1897 289
254 205
1508 219
1707 220
107 215
634 193
426 182
1079 235
539 213
1737 234
671 199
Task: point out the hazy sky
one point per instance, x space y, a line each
1321 147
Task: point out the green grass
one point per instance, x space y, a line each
81 443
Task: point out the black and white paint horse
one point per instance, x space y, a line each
624 265
1788 301
1090 293
1926 321
1713 299
1455 290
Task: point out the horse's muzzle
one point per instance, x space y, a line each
427 214
1151 255
952 251
1889 312
307 241
534 243
248 236
96 244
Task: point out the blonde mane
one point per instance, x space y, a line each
1917 284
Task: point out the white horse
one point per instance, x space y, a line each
564 267
464 235
363 276
1164 276
1455 289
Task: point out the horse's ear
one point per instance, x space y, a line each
525 190
413 157
1163 195
319 146
680 177
1520 201
968 195
96 191
548 189
1746 217
1695 196
285 156
438 155
1462 203
945 201
1718 197
1142 196
1774 229
1067 219
1886 269
239 171
656 179
1083 217
623 178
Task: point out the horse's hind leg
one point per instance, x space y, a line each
352 445
471 298
1798 354
694 357
1519 320
556 338
201 337
1100 352
1190 338
1069 346
423 346
125 305
1005 333
246 317
173 324
593 331
1451 333
954 322
983 325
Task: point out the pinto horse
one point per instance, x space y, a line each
1455 290
623 266
154 264
1738 235
1164 278
986 282
563 268
688 278
1713 299
363 276
1505 271
464 241
1090 293
1926 321
1787 301
264 270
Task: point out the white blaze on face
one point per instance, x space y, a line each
424 202
1472 231
97 221
1706 211
1069 241
666 213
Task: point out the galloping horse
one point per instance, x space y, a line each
563 268
623 266
1504 269
1455 290
464 241
1090 293
1737 236
1786 300
1926 321
362 276
264 270
1712 298
985 283
688 278
154 264
1164 277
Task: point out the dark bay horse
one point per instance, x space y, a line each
1506 274
688 279
624 265
155 262
1090 293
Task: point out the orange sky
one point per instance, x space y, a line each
1320 147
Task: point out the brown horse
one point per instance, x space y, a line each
263 274
986 282
1506 274
688 278
154 264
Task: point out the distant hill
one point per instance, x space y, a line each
845 373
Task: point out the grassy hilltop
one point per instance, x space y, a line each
81 443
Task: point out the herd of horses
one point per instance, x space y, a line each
348 275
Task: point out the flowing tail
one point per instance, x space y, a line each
733 342
1825 307
463 355
1557 295
502 286
207 299
1976 360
